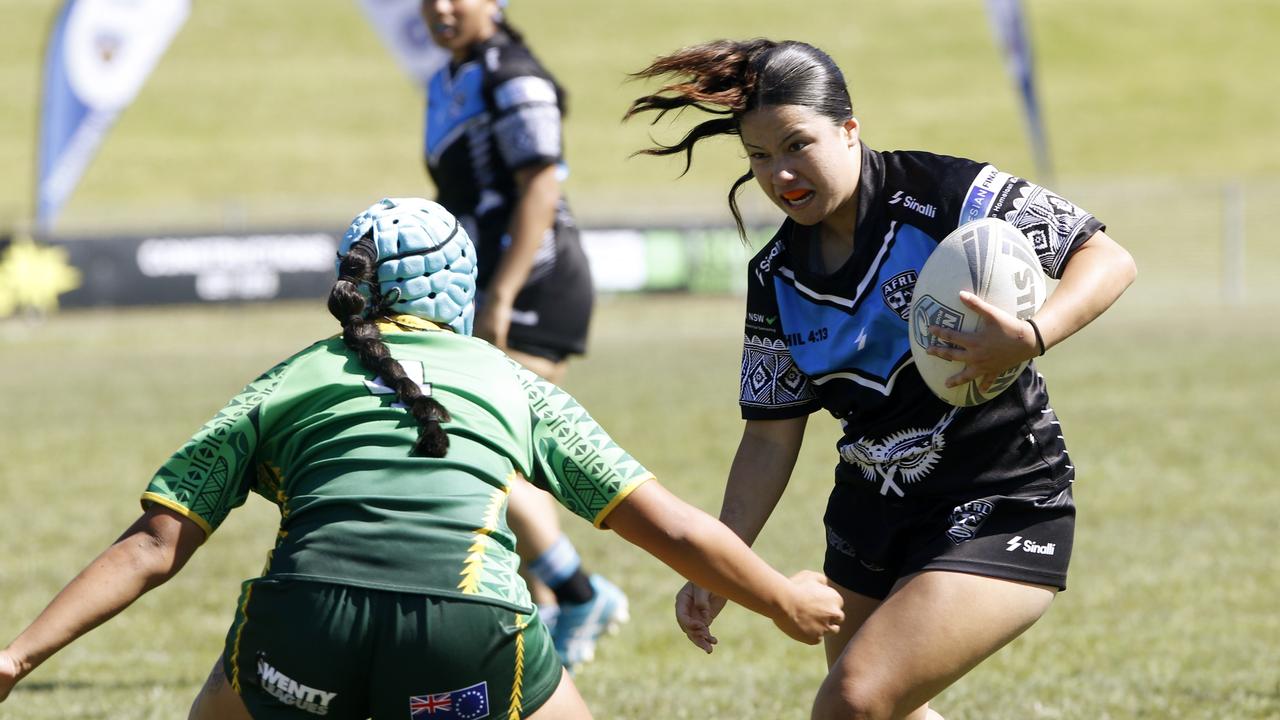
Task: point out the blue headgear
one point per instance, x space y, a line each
426 262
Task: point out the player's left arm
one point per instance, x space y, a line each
538 195
1095 275
150 552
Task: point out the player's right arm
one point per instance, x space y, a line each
149 553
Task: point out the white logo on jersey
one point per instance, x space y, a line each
1030 546
291 692
912 204
413 370
908 455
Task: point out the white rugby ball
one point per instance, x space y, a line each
993 260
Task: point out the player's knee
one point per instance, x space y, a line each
852 699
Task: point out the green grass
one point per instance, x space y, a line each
1168 408
290 111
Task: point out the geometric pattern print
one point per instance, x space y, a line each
205 474
1049 222
515 708
769 376
489 570
589 469
907 455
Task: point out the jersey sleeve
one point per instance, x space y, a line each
526 111
770 386
213 472
1055 226
574 458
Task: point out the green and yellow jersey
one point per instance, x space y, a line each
329 444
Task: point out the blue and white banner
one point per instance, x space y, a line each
1010 29
99 54
400 25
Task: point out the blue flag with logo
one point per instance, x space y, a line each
1010 29
99 54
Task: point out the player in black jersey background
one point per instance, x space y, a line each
949 529
493 146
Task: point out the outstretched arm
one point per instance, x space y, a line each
150 552
707 552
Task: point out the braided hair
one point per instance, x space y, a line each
360 333
730 78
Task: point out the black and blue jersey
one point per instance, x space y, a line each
495 113
839 340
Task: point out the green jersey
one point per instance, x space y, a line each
329 444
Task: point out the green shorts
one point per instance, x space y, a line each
303 649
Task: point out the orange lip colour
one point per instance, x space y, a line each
794 194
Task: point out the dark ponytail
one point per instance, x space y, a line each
361 335
730 78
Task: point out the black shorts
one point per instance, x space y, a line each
1022 535
299 649
552 313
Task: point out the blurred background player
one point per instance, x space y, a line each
493 147
391 590
949 529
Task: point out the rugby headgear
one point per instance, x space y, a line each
426 263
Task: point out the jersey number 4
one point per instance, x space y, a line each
413 370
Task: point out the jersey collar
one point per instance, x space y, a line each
407 323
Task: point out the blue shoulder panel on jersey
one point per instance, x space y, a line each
862 338
981 195
451 103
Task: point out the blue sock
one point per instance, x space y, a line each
560 568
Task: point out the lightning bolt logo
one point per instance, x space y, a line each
1014 543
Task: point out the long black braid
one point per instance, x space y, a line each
361 335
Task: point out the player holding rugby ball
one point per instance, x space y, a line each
949 529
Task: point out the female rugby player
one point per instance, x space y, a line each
949 529
392 589
493 147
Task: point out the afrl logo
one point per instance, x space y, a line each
897 292
1030 546
912 204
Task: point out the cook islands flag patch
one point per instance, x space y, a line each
468 703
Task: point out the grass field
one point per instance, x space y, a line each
1169 409
289 112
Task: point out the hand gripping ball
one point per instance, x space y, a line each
426 262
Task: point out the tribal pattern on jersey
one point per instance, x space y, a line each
846 330
207 478
322 439
584 469
769 375
489 570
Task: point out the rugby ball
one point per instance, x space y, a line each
993 260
